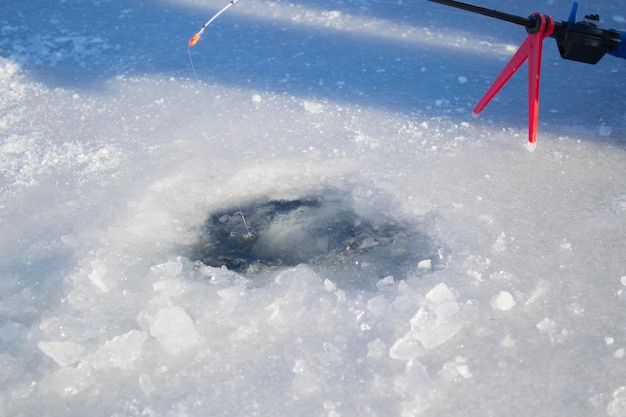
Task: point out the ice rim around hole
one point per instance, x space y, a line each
323 230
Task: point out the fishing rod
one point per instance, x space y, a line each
582 41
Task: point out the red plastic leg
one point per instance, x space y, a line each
535 46
531 48
511 67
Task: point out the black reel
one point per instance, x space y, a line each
585 42
582 41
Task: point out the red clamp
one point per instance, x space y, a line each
531 49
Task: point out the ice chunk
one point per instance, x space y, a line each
120 352
437 333
389 280
502 301
565 245
98 276
434 324
623 280
174 329
329 285
425 264
538 292
406 348
440 293
462 79
68 381
546 326
617 407
63 353
378 306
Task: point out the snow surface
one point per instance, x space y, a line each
112 157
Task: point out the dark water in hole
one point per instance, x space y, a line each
323 231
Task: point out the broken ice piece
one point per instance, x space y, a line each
63 353
502 301
425 264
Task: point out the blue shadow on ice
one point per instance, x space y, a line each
82 44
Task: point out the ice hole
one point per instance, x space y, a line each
323 231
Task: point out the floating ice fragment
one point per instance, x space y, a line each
63 353
257 98
462 79
619 18
425 264
619 354
502 301
609 340
623 280
605 130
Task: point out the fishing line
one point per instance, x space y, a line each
195 38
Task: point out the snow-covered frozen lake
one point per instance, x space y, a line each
399 257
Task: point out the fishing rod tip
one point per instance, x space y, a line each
194 39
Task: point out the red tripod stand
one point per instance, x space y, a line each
531 49
577 41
